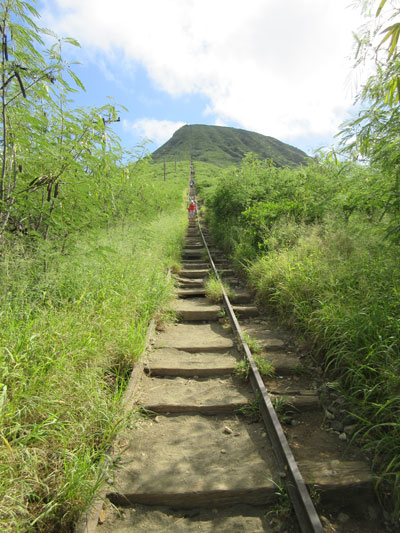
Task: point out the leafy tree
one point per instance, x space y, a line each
374 133
59 166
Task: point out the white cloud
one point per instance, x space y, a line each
156 130
278 67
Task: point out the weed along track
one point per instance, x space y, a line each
210 454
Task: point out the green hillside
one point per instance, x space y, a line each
226 146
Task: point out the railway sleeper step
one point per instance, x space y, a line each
193 243
172 362
202 395
194 273
296 403
185 292
241 296
193 255
193 247
234 283
245 311
225 272
189 286
197 265
284 363
202 461
195 309
193 237
266 338
195 461
153 519
190 282
196 338
337 479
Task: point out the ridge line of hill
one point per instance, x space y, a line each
226 146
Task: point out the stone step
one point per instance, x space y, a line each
172 362
195 461
209 396
195 338
195 309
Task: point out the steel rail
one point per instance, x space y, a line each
306 513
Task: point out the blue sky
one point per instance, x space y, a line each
279 67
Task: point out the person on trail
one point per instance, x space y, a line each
192 210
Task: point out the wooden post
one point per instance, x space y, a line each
164 168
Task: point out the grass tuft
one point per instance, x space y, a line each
214 290
242 368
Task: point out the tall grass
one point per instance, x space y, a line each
315 244
340 286
70 333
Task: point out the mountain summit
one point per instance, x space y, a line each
226 146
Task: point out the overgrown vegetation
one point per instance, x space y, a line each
69 337
317 245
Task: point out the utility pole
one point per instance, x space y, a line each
164 169
190 129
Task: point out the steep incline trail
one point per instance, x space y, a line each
201 459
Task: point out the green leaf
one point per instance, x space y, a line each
393 33
76 79
48 32
383 2
72 41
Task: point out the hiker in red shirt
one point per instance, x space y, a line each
192 210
